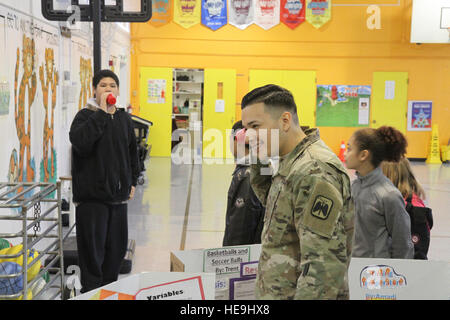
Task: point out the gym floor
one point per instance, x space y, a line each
173 212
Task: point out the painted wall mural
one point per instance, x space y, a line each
49 80
85 80
23 101
43 77
33 149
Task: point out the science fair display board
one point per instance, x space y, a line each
235 268
399 279
156 286
229 273
369 279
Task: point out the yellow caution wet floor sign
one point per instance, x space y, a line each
434 155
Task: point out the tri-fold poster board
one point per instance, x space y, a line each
235 268
229 273
156 286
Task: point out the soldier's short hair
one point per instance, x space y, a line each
276 100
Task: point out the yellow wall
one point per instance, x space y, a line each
344 51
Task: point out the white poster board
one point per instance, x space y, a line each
156 286
399 279
369 279
226 262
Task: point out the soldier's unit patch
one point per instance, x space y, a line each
322 207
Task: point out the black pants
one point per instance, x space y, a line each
102 238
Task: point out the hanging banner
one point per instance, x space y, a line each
318 12
267 13
162 12
241 13
187 13
214 13
292 12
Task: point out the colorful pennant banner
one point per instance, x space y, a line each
318 12
292 12
187 13
267 13
214 13
162 12
241 13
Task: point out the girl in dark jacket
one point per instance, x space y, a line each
402 176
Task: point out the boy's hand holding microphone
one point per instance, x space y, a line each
108 102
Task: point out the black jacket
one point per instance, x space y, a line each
104 155
245 213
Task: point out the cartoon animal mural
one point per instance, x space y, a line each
85 79
23 100
49 80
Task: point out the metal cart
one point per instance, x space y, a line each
141 130
19 198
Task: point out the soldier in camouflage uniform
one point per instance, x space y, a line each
309 220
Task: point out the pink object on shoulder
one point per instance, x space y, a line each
240 136
416 201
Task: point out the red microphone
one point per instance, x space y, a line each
111 100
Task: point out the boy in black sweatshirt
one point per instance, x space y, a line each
104 177
245 213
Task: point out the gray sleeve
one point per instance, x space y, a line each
398 224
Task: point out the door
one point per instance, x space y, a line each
156 105
219 112
389 100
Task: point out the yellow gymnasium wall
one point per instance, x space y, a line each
343 52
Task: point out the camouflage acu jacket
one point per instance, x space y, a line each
308 224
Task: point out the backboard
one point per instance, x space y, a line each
430 21
112 10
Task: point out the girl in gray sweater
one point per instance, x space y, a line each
382 225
